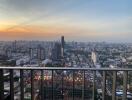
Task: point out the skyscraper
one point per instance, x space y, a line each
62 41
40 53
14 46
31 53
94 57
56 52
62 46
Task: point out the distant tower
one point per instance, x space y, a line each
62 46
94 57
56 51
14 45
8 52
40 53
31 53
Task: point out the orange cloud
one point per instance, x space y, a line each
47 30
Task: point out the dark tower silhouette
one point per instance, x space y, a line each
62 46
62 50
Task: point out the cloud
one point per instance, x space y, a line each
72 18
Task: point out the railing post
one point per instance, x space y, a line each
83 85
94 73
32 84
42 85
62 85
104 85
1 85
52 85
125 73
22 84
114 85
11 84
73 84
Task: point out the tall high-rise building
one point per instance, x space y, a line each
62 46
56 52
94 57
62 41
31 53
40 53
14 46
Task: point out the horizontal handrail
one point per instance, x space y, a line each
66 68
93 70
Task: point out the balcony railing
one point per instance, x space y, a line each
89 79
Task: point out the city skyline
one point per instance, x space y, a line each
77 20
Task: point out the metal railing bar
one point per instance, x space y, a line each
94 73
32 84
83 85
73 84
11 85
104 85
52 85
22 84
114 85
66 68
42 85
125 73
62 85
1 85
114 70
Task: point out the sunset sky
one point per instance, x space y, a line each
78 20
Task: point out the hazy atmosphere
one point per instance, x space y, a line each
78 20
65 49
